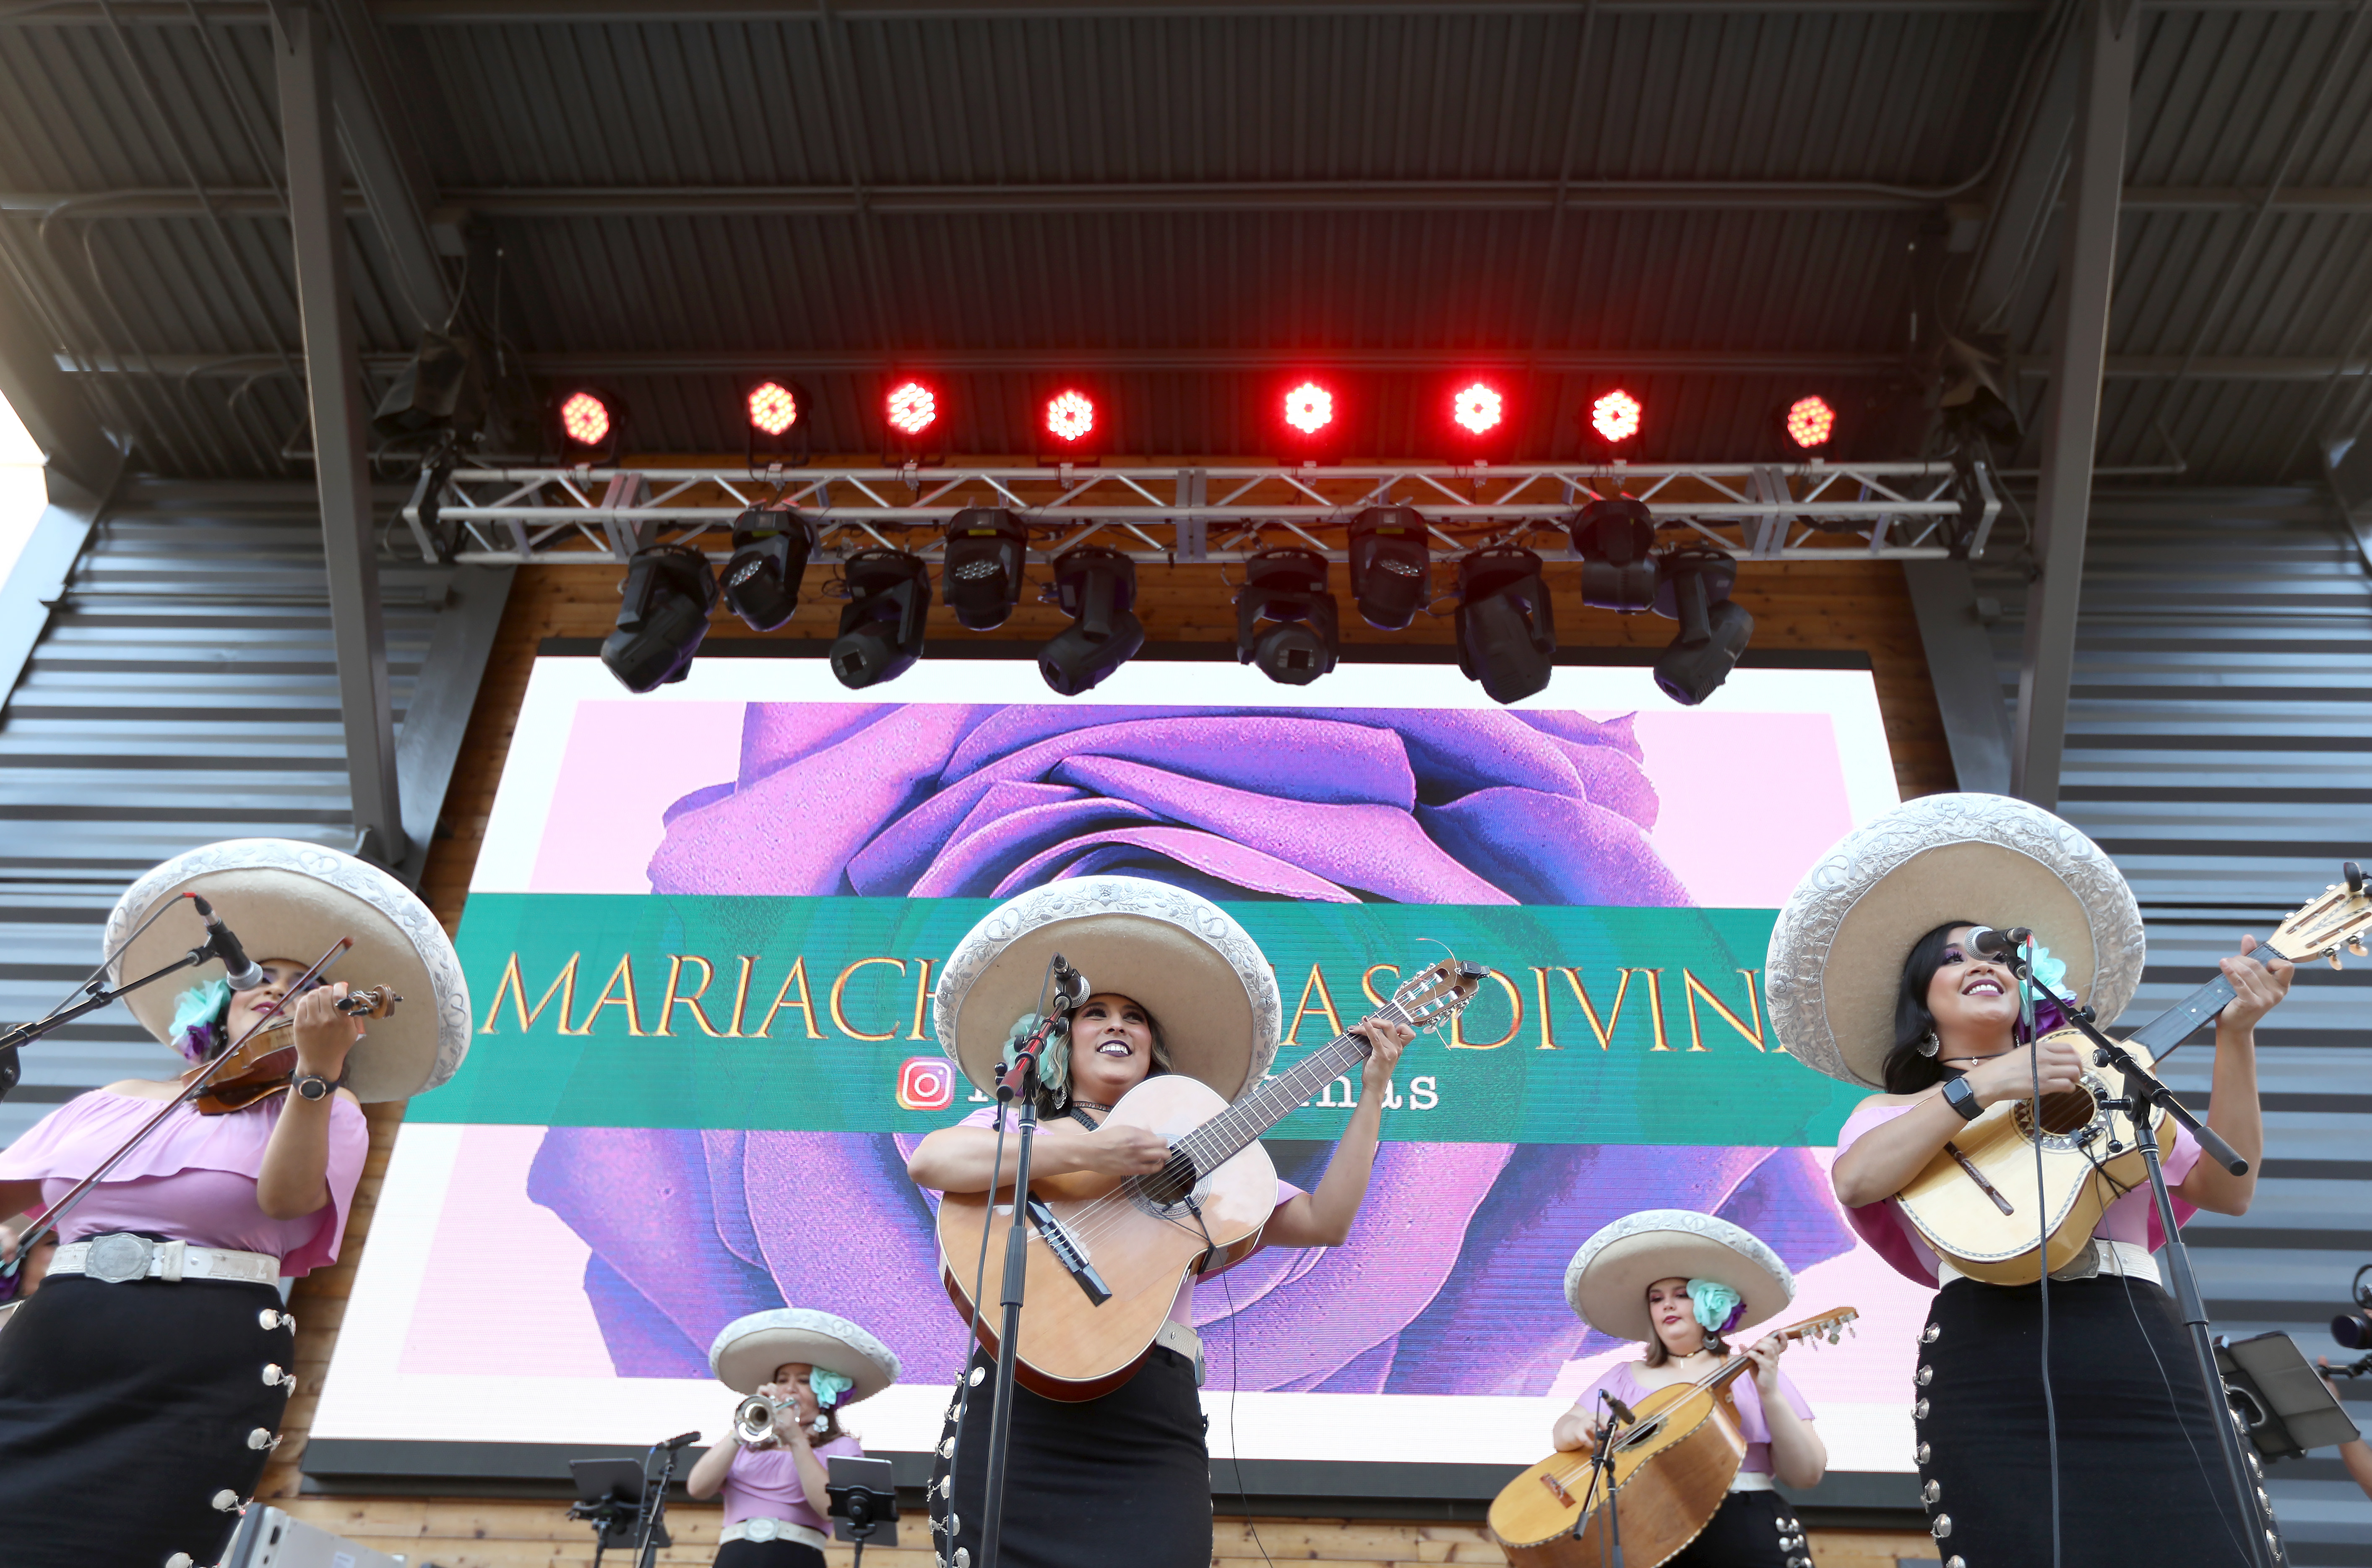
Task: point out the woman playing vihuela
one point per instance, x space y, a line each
1681 1283
813 1366
1179 988
157 1348
1875 979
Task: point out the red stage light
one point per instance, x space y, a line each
585 419
1478 407
1615 416
772 409
913 407
1070 415
1810 422
1310 408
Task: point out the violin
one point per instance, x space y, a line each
262 1065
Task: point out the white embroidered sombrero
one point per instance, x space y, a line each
747 1350
1834 970
1607 1282
287 899
1180 955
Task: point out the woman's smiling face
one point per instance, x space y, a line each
1111 1048
1973 999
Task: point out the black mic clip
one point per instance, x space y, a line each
243 972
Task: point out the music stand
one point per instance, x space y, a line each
610 1494
2280 1397
863 1502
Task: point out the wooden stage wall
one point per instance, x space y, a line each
1855 605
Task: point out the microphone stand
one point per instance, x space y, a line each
2142 1091
1022 1080
98 996
1601 1468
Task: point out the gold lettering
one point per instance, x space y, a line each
840 1020
1654 1007
741 994
622 975
1694 988
515 988
921 998
1368 980
1515 1000
675 998
1325 1008
1548 1025
804 1004
1605 1031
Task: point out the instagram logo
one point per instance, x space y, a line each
925 1082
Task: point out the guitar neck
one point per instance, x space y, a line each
2179 1022
1218 1140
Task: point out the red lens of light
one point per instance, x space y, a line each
1615 416
1070 416
772 409
1479 408
1810 422
585 419
913 407
1310 408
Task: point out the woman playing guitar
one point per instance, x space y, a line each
1125 1477
1704 1278
1883 985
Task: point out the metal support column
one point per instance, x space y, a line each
334 382
2072 417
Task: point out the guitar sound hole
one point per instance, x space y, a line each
1171 1185
2067 1111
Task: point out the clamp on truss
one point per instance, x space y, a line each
1805 511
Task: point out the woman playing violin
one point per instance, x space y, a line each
1713 1278
155 1345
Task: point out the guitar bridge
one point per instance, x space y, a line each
1557 1487
1067 1251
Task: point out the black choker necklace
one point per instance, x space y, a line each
1090 1105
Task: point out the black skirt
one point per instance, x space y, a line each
1751 1529
151 1392
1125 1479
2141 1478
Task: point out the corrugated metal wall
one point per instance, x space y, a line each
185 691
2218 748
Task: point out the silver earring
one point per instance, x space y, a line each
1930 1045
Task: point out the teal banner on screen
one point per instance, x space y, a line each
1600 1025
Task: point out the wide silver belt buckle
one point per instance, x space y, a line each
118 1258
761 1529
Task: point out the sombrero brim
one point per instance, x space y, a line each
1834 970
748 1349
292 900
1180 955
1607 1282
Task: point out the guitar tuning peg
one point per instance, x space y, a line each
2356 945
2332 954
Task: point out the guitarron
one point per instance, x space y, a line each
1672 1468
1107 1254
1977 1203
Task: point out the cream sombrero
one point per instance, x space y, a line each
1607 1281
291 901
1180 955
1836 964
747 1350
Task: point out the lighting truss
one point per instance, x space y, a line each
1805 511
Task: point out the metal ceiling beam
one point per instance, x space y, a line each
246 364
468 13
302 56
395 185
2025 196
2071 420
1219 195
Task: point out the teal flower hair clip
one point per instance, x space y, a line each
829 1386
1716 1306
2053 974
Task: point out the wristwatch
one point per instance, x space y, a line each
1962 1098
312 1085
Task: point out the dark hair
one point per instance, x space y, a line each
1907 1070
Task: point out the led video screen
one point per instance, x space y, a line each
700 940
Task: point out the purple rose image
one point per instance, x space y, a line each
937 800
1451 1282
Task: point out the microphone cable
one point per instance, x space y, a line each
2042 1241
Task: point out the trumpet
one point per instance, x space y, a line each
758 1423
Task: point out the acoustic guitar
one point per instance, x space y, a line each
1978 1202
1107 1254
1672 1468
